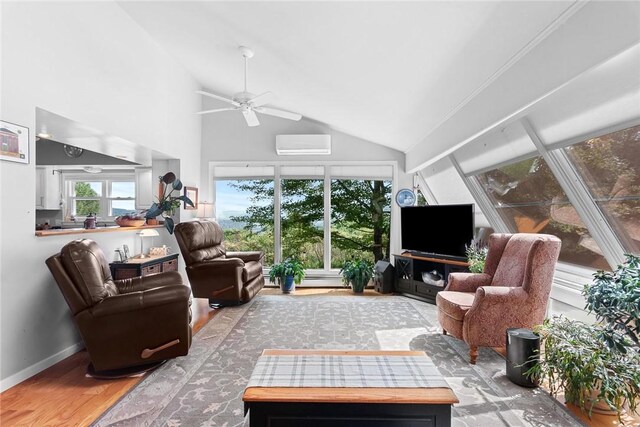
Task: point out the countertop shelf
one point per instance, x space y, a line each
111 229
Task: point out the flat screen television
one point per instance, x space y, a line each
440 230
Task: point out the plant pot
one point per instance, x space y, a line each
152 221
358 287
287 285
599 406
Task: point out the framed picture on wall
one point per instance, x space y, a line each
192 194
14 142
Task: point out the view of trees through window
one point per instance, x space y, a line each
529 199
302 221
360 218
610 167
90 190
88 197
244 210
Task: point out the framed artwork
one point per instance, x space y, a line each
192 194
14 142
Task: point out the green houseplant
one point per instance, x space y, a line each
288 273
614 297
476 253
357 274
167 203
590 374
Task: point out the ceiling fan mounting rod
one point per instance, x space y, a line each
246 54
246 70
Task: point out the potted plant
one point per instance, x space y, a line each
357 274
592 375
476 253
167 203
287 274
614 297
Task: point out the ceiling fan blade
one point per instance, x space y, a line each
262 99
216 110
279 113
218 97
250 117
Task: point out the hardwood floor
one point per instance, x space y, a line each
63 395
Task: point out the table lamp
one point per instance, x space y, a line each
206 210
146 233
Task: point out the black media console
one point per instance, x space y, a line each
409 269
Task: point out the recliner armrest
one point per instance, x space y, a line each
247 256
140 300
144 283
467 282
220 265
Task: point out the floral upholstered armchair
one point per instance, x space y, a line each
511 292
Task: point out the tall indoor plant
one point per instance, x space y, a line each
167 203
357 274
590 374
598 366
287 274
614 297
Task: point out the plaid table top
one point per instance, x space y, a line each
346 371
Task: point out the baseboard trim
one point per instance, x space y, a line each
28 372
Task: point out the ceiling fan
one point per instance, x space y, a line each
247 102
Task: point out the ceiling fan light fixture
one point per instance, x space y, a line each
73 152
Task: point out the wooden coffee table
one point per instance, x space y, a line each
352 407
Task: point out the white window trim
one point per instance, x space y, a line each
105 199
327 272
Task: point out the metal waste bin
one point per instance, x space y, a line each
523 352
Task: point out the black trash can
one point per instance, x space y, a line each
523 347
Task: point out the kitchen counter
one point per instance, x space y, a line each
110 229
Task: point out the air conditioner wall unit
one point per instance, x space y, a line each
303 145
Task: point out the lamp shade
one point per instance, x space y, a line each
206 210
150 232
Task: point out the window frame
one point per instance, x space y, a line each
327 271
105 200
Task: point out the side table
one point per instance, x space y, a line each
137 266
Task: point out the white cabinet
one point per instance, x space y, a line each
48 189
144 188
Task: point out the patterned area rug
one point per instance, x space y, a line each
205 388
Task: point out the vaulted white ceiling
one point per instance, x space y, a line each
388 72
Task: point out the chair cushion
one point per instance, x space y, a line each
251 270
455 304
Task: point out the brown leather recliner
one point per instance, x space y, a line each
123 323
225 278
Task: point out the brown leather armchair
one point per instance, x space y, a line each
225 278
124 323
511 292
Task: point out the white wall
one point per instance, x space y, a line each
226 138
91 63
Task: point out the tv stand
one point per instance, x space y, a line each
409 268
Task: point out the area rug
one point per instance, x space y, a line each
205 388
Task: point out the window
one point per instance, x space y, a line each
610 168
529 199
244 210
360 219
107 197
302 221
251 211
